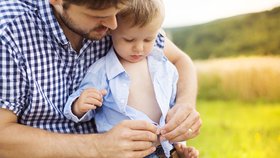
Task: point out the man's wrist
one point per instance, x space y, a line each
187 104
89 145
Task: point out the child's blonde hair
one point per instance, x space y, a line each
141 12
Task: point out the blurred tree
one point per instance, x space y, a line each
249 34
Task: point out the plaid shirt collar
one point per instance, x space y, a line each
46 12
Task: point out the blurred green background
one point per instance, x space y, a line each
238 66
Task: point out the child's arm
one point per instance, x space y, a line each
88 96
89 99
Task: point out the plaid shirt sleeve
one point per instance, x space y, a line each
13 85
160 41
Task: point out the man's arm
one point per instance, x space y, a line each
187 84
22 141
128 139
183 116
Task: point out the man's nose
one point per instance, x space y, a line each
110 22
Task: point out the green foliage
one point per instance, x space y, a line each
238 130
210 87
256 33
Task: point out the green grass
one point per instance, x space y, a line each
238 130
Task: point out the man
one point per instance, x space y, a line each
46 48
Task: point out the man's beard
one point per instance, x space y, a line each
91 34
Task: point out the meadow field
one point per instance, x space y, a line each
233 129
242 78
239 103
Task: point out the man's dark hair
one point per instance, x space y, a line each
95 4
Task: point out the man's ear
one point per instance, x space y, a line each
56 2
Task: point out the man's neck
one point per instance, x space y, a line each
74 38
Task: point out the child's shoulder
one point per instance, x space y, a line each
98 66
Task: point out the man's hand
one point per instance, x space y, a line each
182 123
129 139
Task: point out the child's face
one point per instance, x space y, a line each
134 43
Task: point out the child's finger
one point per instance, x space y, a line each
92 107
103 92
96 95
178 147
193 153
86 107
93 101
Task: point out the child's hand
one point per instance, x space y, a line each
186 152
90 99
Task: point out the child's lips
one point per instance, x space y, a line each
136 56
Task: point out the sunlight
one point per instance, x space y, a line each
190 12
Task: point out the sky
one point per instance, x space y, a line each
191 12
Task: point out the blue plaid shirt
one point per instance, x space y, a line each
39 69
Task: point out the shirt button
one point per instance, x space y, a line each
122 101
